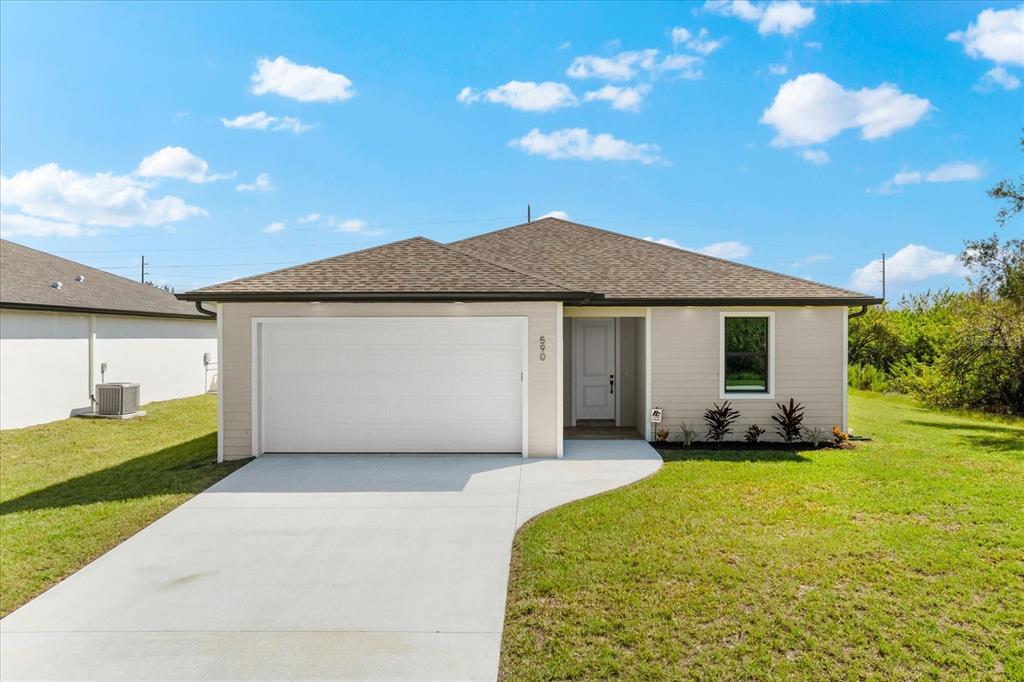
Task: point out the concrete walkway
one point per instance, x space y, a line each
313 567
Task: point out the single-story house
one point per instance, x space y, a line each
64 327
498 342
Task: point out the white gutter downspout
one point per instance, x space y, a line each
92 362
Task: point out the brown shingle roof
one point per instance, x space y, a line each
411 266
549 259
627 268
27 276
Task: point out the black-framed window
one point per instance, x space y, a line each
746 355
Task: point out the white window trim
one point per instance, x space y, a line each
770 395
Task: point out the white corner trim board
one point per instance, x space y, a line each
390 384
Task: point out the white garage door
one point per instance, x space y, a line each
372 384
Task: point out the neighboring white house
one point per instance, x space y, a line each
64 327
506 341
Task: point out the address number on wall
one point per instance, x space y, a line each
543 348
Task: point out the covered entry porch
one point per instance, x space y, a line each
606 373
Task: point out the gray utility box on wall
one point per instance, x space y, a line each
117 399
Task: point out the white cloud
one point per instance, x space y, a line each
13 225
819 157
996 35
621 67
561 215
261 184
273 228
300 82
813 108
680 35
956 171
995 77
178 163
812 45
699 43
621 98
261 121
784 17
777 69
727 250
349 225
687 66
310 218
566 45
813 258
912 263
523 95
579 143
664 241
100 200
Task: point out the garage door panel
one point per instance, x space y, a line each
392 385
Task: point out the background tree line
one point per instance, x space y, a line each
955 348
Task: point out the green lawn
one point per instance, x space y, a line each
71 490
902 559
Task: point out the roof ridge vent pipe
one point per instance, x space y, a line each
79 278
56 285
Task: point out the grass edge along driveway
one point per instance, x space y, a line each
73 489
901 559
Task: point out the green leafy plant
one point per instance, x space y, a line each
790 420
720 419
867 378
815 435
687 435
753 433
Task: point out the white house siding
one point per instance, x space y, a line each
236 367
44 360
809 366
44 367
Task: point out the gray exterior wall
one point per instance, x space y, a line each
236 360
810 366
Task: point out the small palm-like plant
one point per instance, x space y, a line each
815 436
719 420
790 420
686 434
753 433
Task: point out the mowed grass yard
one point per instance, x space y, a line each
902 559
71 490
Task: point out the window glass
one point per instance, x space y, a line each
746 354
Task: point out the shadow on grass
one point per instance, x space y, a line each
755 456
187 467
998 437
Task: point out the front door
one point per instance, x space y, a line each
593 362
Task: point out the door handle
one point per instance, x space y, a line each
611 383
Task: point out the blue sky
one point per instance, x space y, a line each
225 139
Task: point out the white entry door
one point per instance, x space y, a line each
593 362
392 384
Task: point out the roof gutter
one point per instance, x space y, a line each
577 297
96 311
745 301
204 311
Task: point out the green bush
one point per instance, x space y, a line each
867 378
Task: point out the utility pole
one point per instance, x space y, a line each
529 218
883 275
142 271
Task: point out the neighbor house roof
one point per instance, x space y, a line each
28 276
549 258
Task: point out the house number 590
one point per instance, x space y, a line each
543 346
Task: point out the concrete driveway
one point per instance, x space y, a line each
313 567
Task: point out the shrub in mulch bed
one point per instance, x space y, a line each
739 445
